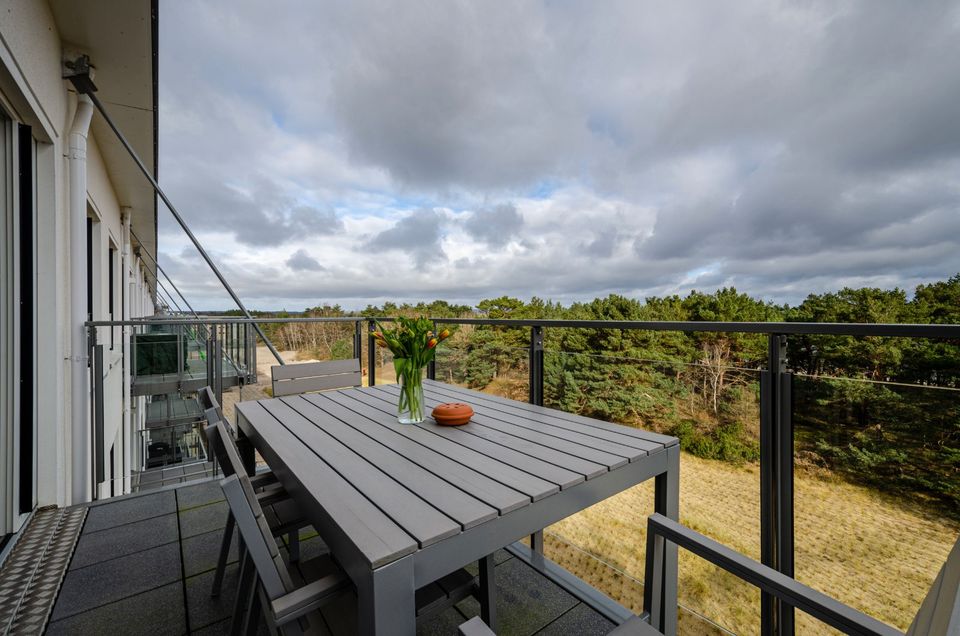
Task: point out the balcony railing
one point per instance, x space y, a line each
789 405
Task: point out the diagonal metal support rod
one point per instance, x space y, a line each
144 250
173 210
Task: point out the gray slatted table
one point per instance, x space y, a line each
403 505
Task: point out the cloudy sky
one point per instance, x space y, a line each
356 152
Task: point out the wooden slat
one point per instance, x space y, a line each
313 369
513 426
501 497
539 446
318 383
374 534
420 519
533 465
451 501
619 433
535 487
580 436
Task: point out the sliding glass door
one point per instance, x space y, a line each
18 373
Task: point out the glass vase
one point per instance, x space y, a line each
410 404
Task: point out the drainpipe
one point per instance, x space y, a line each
126 268
81 450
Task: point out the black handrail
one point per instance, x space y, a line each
781 328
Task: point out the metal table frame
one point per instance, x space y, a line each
386 592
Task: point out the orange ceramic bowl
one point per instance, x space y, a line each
452 413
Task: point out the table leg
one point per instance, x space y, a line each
536 541
247 453
488 592
387 600
664 570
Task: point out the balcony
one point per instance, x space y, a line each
838 531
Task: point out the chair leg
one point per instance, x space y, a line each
245 587
252 621
224 555
294 540
488 592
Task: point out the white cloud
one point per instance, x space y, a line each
557 149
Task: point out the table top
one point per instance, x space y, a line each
396 488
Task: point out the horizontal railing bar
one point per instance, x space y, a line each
217 321
783 328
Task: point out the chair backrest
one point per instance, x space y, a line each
220 440
209 401
939 613
206 398
257 536
306 377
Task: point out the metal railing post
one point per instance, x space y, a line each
536 397
536 365
776 482
371 355
357 340
96 410
218 365
432 365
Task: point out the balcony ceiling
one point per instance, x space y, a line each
118 37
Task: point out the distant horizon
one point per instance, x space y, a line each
909 295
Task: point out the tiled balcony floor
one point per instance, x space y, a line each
144 565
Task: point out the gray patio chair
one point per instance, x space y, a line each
281 512
267 586
293 379
289 599
939 614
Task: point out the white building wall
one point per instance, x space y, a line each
33 93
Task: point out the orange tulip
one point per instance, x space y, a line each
432 343
444 334
381 342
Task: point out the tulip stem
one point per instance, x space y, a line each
410 405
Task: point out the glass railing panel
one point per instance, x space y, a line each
487 358
173 444
877 491
714 410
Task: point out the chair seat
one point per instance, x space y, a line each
635 626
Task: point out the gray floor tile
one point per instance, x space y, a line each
581 620
341 615
444 624
118 541
200 552
108 581
203 519
158 611
217 629
526 601
205 610
501 556
199 494
116 513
